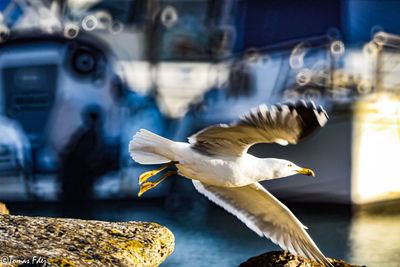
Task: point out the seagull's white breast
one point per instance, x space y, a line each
216 170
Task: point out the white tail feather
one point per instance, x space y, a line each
149 148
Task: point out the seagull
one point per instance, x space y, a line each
217 161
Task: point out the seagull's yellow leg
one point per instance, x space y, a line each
150 185
146 175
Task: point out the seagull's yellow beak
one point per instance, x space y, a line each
306 172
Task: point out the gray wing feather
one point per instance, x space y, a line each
265 215
282 124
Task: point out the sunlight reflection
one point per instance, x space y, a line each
375 148
374 237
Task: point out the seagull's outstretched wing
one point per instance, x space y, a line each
265 215
282 124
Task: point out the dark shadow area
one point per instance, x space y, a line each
84 159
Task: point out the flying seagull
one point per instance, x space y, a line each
217 161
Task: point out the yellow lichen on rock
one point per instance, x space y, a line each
132 245
61 262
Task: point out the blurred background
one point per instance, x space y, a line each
79 77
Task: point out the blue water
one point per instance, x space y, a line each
206 235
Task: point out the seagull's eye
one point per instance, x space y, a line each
290 165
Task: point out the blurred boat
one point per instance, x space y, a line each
189 66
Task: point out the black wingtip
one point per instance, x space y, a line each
313 117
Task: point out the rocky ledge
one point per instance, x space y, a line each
37 241
286 259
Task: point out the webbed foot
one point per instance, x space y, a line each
149 185
146 175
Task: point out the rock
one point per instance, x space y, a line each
3 209
73 242
286 259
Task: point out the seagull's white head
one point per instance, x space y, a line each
283 168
